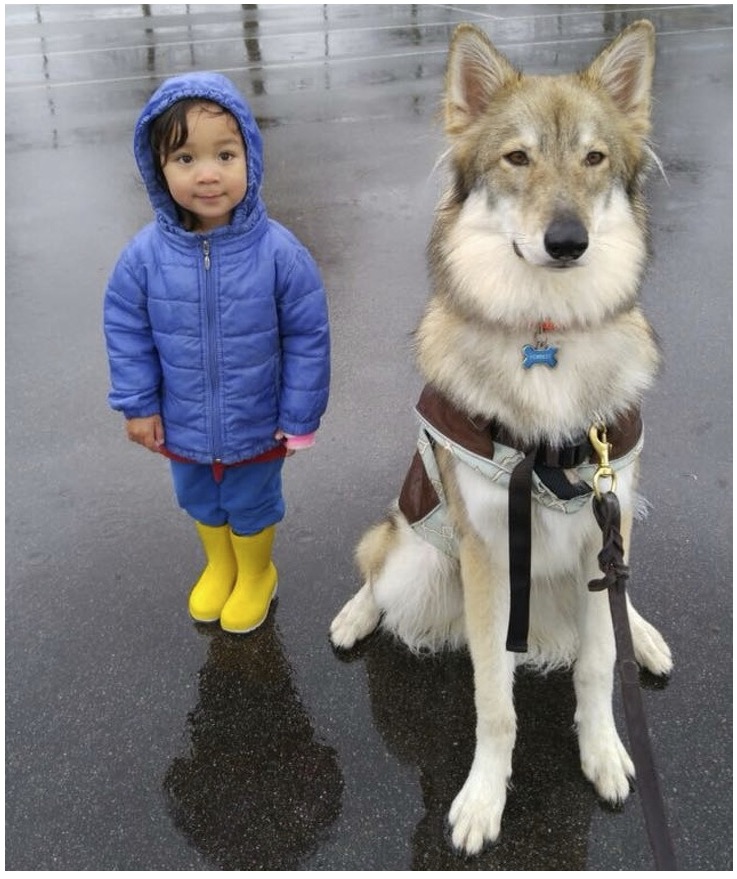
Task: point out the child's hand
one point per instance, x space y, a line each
282 437
148 432
295 443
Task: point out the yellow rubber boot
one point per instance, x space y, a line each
255 586
212 590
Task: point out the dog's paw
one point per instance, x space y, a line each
651 650
476 814
607 765
358 618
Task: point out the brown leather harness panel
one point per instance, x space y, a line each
478 435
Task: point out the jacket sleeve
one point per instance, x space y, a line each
135 368
305 342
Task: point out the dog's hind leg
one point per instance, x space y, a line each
651 650
360 616
357 619
476 812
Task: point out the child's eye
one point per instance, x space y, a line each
226 156
183 159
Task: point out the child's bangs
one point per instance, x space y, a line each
170 131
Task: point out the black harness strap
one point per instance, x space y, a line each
520 552
616 573
549 465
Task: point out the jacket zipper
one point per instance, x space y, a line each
212 360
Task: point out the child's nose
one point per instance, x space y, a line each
207 171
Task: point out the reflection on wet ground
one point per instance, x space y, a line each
438 690
254 790
137 741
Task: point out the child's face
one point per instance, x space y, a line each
207 175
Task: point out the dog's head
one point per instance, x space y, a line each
546 177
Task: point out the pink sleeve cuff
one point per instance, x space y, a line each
299 442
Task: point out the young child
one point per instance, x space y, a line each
217 334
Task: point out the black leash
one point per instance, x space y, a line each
616 574
548 464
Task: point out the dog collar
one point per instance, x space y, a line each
541 353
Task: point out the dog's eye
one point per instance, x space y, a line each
594 158
519 158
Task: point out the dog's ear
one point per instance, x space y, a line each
476 70
625 70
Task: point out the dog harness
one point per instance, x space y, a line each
557 478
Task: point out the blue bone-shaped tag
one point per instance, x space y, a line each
534 356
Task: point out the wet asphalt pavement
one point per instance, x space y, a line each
136 740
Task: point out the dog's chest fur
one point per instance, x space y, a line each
602 371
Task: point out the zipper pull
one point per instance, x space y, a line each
206 252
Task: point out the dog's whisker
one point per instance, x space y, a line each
440 162
658 164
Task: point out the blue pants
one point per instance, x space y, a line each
249 498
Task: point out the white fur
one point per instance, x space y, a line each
420 591
508 290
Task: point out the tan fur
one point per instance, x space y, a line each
543 220
374 547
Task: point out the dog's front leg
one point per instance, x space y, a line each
476 813
604 760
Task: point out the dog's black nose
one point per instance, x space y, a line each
566 238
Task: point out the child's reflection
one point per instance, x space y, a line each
256 790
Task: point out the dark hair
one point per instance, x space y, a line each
168 132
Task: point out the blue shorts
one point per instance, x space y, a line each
249 497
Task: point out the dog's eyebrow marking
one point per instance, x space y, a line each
587 134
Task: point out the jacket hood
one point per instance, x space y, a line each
220 90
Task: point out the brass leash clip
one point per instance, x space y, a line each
597 438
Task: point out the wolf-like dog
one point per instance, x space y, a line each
532 334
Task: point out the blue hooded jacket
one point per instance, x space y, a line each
223 333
